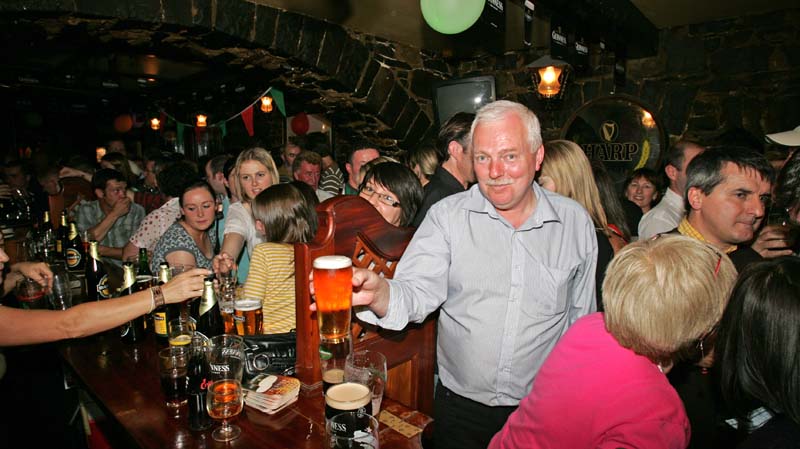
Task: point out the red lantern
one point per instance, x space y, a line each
123 123
300 123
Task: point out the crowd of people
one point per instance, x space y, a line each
574 311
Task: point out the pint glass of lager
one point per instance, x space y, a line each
248 316
349 397
333 289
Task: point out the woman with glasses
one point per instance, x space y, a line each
604 385
394 190
757 354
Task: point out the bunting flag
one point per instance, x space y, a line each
247 117
277 95
223 129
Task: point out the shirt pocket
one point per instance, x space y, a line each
547 290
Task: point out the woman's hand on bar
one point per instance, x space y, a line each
185 285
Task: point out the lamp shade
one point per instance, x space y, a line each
549 76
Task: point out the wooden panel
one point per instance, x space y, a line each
349 225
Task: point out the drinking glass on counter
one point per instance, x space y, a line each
224 401
60 294
30 294
172 364
368 368
180 332
248 316
333 292
352 430
226 357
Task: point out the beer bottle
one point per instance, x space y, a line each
132 331
144 280
96 276
73 249
198 381
209 320
62 235
48 237
160 315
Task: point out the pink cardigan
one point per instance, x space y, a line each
593 393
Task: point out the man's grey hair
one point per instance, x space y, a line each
497 111
705 170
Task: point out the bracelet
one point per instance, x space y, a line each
158 297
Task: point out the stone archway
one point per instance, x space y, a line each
344 75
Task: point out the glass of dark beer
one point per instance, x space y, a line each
348 397
172 364
332 358
333 293
352 430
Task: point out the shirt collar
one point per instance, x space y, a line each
544 211
688 230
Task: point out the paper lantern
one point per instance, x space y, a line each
123 123
451 16
300 123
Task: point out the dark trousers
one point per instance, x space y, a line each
461 423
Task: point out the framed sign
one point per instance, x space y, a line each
620 131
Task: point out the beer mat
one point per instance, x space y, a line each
267 410
272 391
400 426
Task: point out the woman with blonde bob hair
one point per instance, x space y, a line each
566 170
608 372
254 171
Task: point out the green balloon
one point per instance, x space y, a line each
451 16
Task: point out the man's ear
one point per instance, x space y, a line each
672 172
539 157
99 193
696 197
455 150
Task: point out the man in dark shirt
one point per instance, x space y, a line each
726 194
454 172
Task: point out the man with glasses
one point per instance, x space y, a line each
510 265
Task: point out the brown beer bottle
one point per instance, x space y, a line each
161 315
132 331
73 249
62 235
96 276
144 280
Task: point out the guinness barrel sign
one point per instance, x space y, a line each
619 131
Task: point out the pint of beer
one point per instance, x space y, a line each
348 397
248 316
333 287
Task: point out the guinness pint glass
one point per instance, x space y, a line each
333 290
349 397
248 316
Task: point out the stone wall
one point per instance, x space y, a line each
737 77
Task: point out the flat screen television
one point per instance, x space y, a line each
462 95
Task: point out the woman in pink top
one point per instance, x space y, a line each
604 384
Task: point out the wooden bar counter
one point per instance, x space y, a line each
123 380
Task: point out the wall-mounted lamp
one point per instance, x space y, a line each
155 124
201 121
550 77
266 104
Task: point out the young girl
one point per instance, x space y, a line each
283 216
